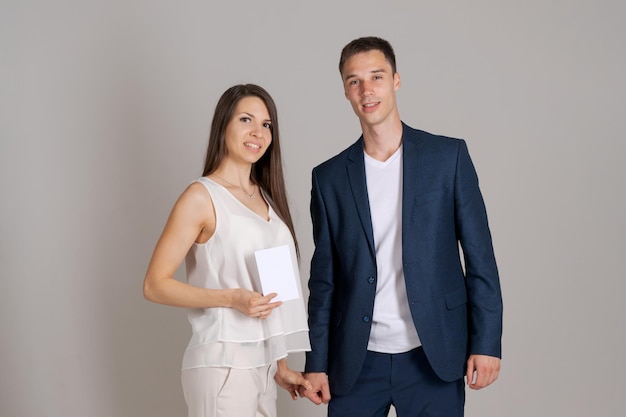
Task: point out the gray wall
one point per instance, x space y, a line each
104 117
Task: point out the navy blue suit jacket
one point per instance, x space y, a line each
457 311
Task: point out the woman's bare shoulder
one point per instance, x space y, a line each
195 199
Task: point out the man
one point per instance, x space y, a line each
395 317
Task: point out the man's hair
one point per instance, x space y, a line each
368 43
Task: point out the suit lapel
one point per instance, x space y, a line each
411 145
356 176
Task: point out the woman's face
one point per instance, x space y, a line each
249 131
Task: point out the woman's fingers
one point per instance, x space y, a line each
261 306
255 305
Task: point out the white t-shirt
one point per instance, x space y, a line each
392 330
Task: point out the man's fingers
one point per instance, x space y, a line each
470 374
313 396
325 394
482 371
483 378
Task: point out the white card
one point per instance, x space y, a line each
277 273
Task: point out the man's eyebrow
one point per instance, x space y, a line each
374 71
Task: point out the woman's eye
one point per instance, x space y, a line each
267 125
245 119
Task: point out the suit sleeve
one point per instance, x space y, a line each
321 285
482 280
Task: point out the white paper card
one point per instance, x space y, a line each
277 273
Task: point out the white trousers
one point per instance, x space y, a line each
221 392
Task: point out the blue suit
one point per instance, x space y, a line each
456 311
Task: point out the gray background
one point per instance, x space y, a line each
104 119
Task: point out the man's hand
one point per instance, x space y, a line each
487 369
320 392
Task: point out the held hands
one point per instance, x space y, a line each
291 380
482 371
253 304
320 390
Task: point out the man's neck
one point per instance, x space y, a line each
382 141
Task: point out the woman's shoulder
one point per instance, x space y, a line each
196 194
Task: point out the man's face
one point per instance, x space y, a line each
370 86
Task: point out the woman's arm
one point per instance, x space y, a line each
193 220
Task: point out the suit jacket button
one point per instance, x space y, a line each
366 319
371 280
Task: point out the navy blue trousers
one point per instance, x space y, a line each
404 380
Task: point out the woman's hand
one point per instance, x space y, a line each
253 304
290 380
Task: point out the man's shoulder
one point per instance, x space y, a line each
422 137
340 159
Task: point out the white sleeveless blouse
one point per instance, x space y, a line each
224 337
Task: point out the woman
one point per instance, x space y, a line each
240 338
